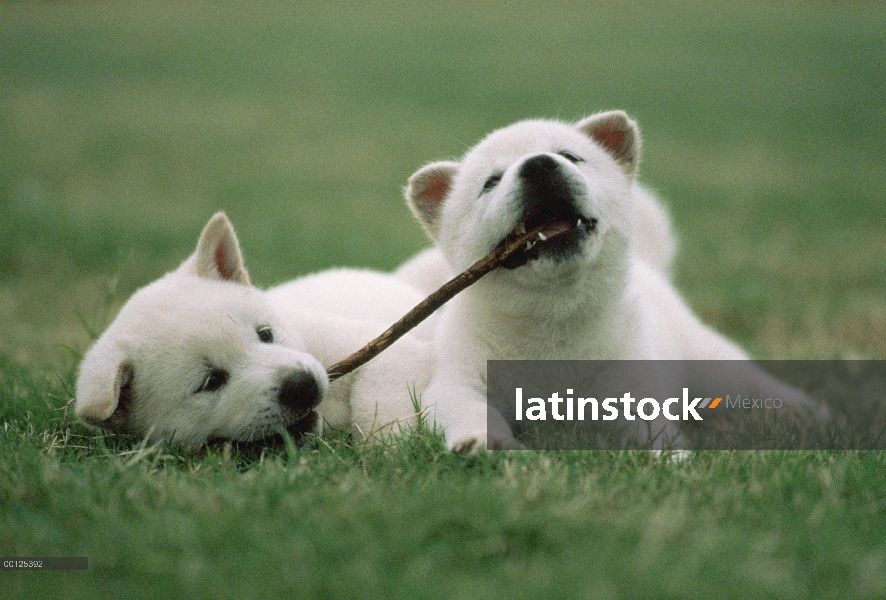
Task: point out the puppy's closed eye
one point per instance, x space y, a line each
491 182
214 380
570 156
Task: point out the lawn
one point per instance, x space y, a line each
124 126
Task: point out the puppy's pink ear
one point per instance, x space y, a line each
104 388
426 192
617 134
218 253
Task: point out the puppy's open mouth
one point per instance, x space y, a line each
562 230
304 425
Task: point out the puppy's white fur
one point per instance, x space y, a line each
607 296
148 372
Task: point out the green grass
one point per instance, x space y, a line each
124 126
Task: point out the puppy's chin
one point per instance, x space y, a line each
299 430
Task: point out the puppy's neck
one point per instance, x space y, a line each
541 312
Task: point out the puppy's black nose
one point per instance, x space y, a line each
299 391
539 169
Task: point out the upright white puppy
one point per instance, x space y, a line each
587 290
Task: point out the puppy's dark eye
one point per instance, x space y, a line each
570 156
491 183
265 334
215 379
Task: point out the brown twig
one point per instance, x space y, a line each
423 310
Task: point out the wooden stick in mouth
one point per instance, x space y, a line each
513 243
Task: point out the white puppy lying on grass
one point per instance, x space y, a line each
200 354
595 285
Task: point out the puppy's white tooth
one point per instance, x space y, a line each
529 245
522 228
578 223
542 236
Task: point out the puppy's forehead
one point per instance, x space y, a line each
526 137
181 307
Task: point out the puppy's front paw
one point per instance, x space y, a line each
480 441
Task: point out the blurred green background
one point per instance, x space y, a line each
124 126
